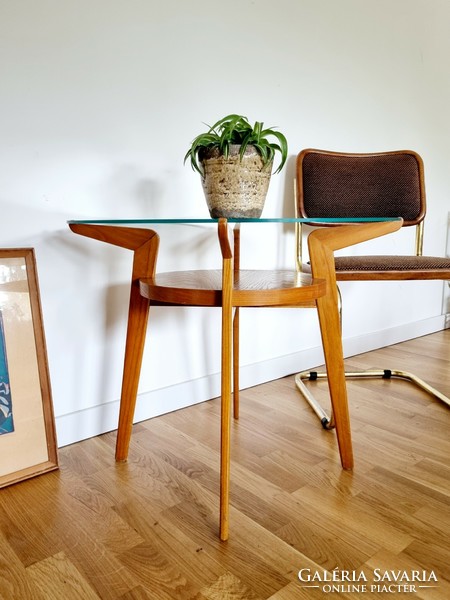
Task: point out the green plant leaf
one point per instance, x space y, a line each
257 130
236 129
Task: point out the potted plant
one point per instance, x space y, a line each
235 162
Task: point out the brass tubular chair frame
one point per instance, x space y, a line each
327 420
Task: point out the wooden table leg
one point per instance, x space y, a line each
144 243
236 267
322 243
330 328
236 363
334 360
226 367
134 351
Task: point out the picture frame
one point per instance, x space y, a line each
28 444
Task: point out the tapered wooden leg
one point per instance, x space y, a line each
334 360
236 267
144 265
236 364
134 350
225 405
227 343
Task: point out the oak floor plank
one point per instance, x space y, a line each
56 578
14 581
28 513
139 593
355 515
228 587
189 562
383 562
254 555
294 591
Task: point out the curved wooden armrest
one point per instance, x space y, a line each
336 238
323 242
131 238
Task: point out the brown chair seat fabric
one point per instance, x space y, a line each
393 263
394 268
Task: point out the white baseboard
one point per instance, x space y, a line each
394 335
76 426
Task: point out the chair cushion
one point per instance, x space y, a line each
359 268
366 268
391 263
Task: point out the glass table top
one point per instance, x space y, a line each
231 220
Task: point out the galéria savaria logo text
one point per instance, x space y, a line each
379 580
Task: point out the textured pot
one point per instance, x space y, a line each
235 188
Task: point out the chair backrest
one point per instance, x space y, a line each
384 184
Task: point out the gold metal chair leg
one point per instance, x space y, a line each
327 421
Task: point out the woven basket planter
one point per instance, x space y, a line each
235 188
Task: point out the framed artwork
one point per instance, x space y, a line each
27 426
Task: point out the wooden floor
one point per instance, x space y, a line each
149 528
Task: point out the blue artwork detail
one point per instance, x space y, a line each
6 416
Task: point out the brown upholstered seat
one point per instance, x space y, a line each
391 267
388 184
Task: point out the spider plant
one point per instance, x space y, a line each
236 129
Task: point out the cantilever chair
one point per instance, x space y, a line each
387 184
230 288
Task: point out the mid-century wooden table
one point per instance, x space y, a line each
231 288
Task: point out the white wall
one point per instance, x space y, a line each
99 101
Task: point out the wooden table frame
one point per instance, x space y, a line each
322 243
